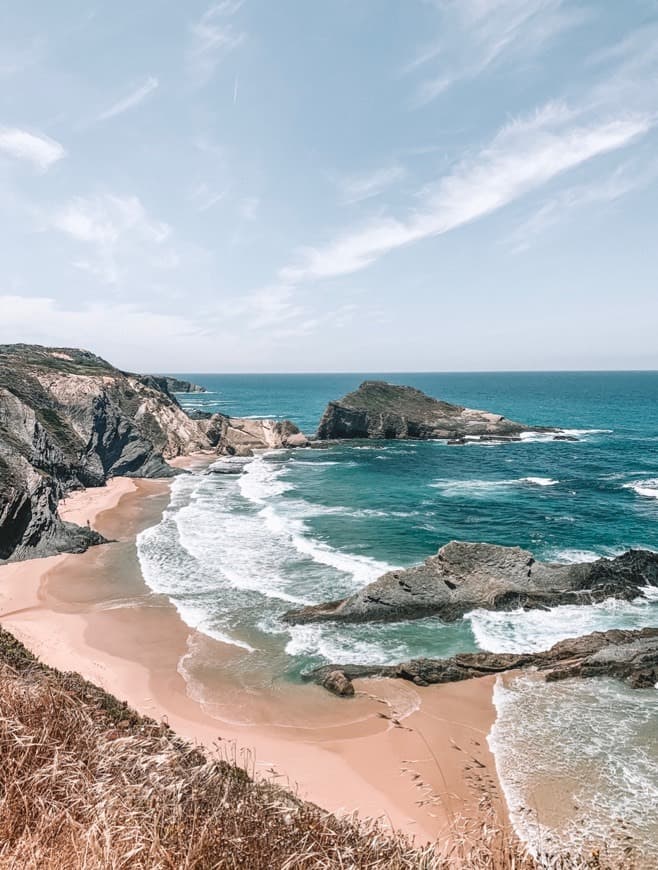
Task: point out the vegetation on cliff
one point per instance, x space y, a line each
381 410
85 782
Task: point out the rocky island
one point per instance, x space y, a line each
466 576
387 411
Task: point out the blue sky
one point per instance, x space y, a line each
348 185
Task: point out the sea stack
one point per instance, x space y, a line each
387 411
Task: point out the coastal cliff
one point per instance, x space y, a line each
387 411
70 419
464 576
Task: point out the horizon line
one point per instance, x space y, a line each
425 372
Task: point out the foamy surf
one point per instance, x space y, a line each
487 488
520 630
646 488
578 763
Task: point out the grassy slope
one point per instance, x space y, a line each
85 782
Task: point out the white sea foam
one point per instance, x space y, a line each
573 556
538 481
647 488
535 630
594 745
486 488
334 644
261 481
361 569
212 552
314 464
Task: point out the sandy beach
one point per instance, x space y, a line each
418 758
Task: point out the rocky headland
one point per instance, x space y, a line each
69 419
386 411
627 655
466 576
176 385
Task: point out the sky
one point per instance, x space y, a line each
347 185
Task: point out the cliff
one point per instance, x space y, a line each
70 419
463 576
380 410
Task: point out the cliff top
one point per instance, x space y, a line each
69 360
382 397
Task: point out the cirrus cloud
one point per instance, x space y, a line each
35 148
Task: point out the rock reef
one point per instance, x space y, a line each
630 655
387 411
466 576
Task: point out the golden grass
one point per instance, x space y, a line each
87 783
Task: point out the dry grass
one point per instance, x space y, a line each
87 783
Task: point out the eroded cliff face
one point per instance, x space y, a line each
384 411
70 419
239 436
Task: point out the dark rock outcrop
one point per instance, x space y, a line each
464 576
384 411
628 655
175 385
70 419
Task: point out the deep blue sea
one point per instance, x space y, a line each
234 553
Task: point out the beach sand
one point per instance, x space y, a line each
416 757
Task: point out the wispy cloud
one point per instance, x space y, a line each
37 149
621 182
355 188
112 227
524 155
477 34
212 36
134 98
205 197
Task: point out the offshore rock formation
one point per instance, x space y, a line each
464 576
238 436
628 655
70 419
380 410
176 385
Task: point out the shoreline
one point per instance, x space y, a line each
94 614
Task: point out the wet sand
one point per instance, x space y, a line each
417 758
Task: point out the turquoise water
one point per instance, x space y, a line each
234 553
311 525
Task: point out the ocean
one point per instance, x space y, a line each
234 553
